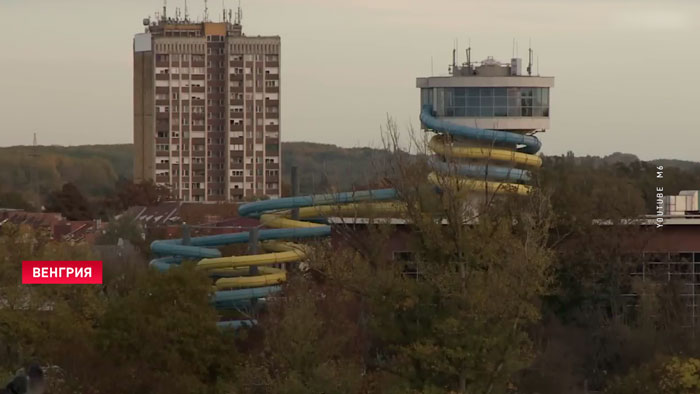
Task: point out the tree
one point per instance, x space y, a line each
453 317
70 202
161 337
126 228
665 375
15 200
39 322
311 343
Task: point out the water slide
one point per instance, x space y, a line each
468 157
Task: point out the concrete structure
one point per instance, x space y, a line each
489 95
207 110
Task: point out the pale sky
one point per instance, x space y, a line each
626 70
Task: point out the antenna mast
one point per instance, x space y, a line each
223 9
469 54
165 10
454 56
206 11
187 15
529 62
239 13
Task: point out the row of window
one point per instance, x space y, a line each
232 147
487 102
186 57
220 166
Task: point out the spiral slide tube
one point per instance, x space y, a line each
480 159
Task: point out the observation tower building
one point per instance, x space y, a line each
486 115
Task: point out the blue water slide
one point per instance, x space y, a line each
254 209
227 299
480 171
531 144
200 247
236 324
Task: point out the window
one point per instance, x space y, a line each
487 102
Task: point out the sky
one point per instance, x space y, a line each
626 70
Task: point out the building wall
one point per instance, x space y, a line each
144 122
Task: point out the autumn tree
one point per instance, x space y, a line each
69 202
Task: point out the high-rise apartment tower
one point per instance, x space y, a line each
207 110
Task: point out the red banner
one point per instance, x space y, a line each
62 272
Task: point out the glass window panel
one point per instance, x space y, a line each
513 102
545 111
526 111
473 102
426 97
473 111
538 111
526 102
460 111
525 92
499 92
485 92
500 111
537 97
513 92
514 111
485 101
460 101
486 111
500 101
460 92
450 111
473 92
545 96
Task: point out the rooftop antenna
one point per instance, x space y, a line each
513 50
187 15
223 9
457 50
206 11
230 15
454 56
239 13
469 54
165 9
177 14
529 61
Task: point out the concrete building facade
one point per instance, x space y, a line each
207 110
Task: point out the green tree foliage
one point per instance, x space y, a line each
161 336
124 228
141 331
38 170
15 200
311 344
70 202
664 375
36 320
